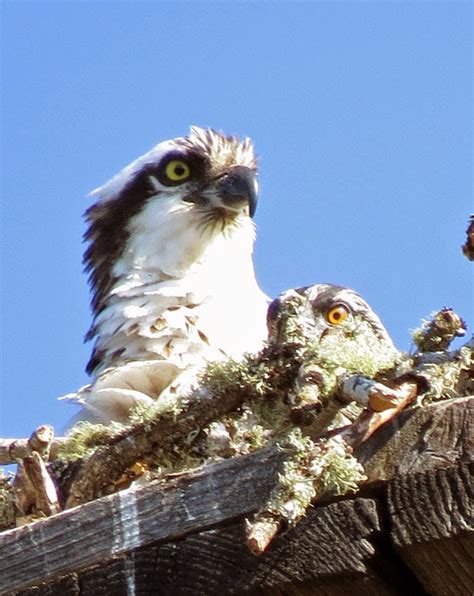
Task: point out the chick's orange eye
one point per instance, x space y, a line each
337 314
177 170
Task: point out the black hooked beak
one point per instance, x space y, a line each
239 185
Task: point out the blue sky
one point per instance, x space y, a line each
361 113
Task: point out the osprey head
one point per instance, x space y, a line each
336 321
161 210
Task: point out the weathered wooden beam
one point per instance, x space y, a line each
333 540
339 548
108 463
216 562
133 519
97 531
67 585
418 439
433 527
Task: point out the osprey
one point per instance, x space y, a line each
170 266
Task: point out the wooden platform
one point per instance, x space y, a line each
408 530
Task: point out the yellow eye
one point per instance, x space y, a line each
177 170
337 314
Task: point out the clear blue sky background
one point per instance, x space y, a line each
360 112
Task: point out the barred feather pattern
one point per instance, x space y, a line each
173 279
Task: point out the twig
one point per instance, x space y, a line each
261 533
368 393
267 522
307 475
437 334
99 473
42 441
369 421
46 499
108 463
32 486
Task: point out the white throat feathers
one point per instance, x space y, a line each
170 262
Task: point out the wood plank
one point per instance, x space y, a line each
431 504
333 540
433 527
341 585
106 528
445 567
97 531
439 435
217 561
67 585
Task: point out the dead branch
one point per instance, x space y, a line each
369 421
260 534
41 441
32 490
261 531
437 334
108 463
44 491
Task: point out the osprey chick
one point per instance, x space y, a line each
170 263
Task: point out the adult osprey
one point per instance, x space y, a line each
170 262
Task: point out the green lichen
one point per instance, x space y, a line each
254 426
445 374
355 349
141 414
302 370
8 512
258 377
232 375
85 437
447 377
311 469
436 333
